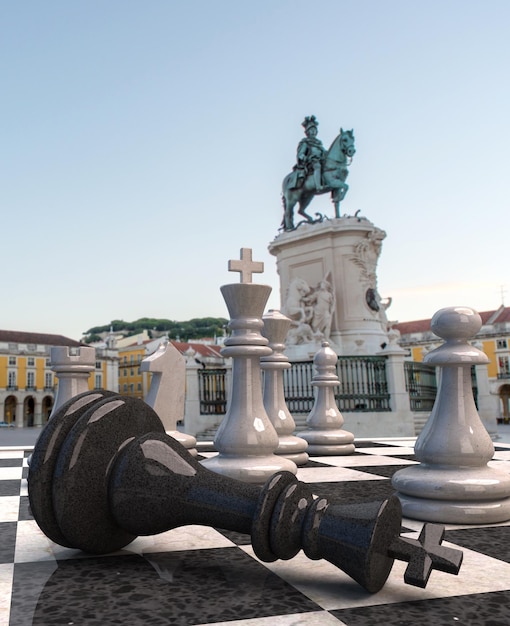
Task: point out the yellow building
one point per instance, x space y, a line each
493 339
27 384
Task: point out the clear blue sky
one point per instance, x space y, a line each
144 143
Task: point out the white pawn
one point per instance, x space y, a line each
324 434
452 483
276 327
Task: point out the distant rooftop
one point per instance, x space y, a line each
15 336
498 316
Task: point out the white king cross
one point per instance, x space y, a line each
246 266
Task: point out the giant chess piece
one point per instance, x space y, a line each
246 439
276 327
453 483
72 367
167 391
104 471
324 434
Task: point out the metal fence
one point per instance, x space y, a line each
363 385
421 384
212 391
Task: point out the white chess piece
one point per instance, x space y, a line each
453 482
291 447
324 434
246 439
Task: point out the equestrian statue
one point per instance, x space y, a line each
317 171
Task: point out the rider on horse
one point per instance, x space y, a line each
310 155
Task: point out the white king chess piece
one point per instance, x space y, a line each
246 439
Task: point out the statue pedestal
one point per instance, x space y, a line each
329 269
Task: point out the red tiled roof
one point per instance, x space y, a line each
206 350
498 316
14 336
418 326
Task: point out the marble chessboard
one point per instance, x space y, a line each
198 575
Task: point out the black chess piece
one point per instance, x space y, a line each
101 476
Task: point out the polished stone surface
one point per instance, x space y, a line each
318 593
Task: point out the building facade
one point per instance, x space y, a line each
28 385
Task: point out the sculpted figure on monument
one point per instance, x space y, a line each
311 311
310 155
317 171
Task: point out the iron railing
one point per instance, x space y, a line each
421 384
212 391
363 385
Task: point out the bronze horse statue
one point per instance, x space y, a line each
334 174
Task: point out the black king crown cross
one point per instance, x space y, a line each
103 471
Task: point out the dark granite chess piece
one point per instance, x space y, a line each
104 471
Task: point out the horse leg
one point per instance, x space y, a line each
288 213
303 204
335 199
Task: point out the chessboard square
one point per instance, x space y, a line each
23 488
385 471
319 618
332 474
11 462
191 537
492 541
6 574
7 541
352 492
501 455
182 588
7 453
32 544
9 508
25 513
364 460
394 452
11 473
10 487
402 442
477 610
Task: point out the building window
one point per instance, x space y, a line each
48 362
504 367
501 344
131 388
30 380
139 387
98 365
125 387
132 359
12 360
11 380
48 380
131 372
30 361
125 372
125 359
13 347
31 347
99 381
